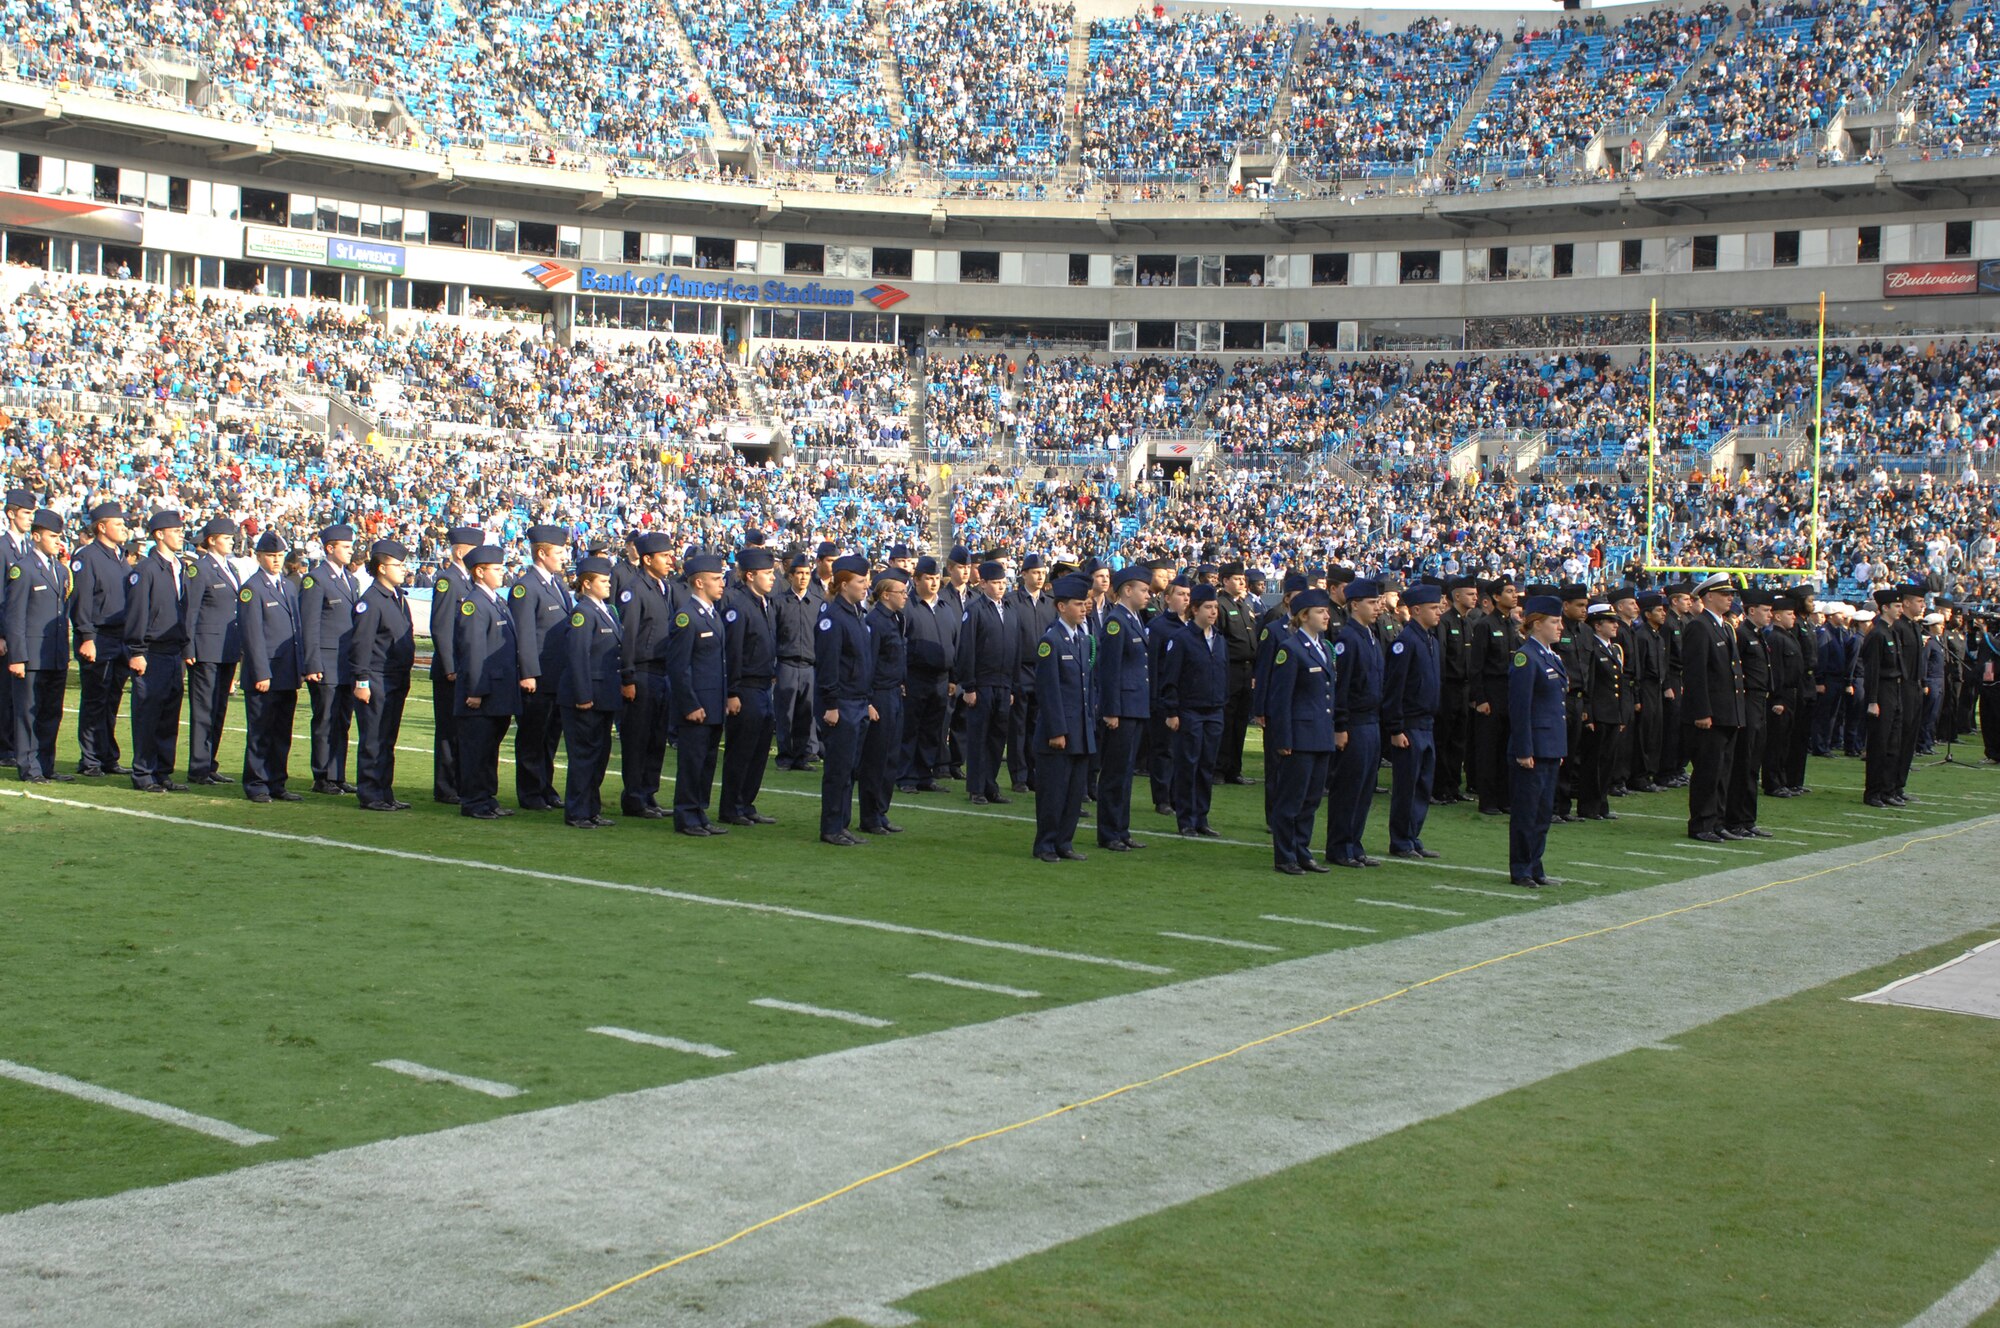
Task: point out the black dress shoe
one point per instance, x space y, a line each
1564 818
1048 857
929 786
580 825
171 786
483 814
806 768
536 807
1000 800
738 820
1408 854
1707 837
1605 816
976 800
1896 800
286 795
220 778
257 797
1070 855
692 831
61 778
1365 861
1355 863
1754 832
398 804
321 786
1207 833
841 840
380 807
1131 844
604 823
1239 780
346 787
203 781
1731 835
1492 811
90 771
1120 847
502 811
655 814
910 789
1290 869
115 769
445 801
1020 788
1316 866
713 828
1161 809
884 828
1547 880
758 818
1527 883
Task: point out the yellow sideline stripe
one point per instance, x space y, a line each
1267 1039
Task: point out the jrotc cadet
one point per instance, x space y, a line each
1537 740
1357 731
267 616
1790 685
1655 680
1746 763
882 746
1123 678
1411 686
589 695
488 694
1168 617
1298 731
1982 675
1603 707
647 608
380 655
16 543
1031 611
1711 707
1933 660
844 673
453 581
1237 621
933 638
1273 627
1494 639
903 559
750 632
1832 667
1065 732
1628 768
214 646
328 594
1672 771
989 661
1792 773
1855 737
155 642
1574 646
1884 665
97 624
798 619
1910 633
824 555
1454 703
540 602
1194 687
36 623
1958 690
626 570
698 678
1646 674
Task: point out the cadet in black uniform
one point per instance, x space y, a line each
214 646
380 655
844 672
1574 646
97 622
155 642
750 631
1910 600
486 648
1161 628
797 610
989 660
1982 675
453 580
267 615
882 747
1032 612
1454 728
1672 772
1298 731
540 602
1746 763
1882 665
1411 687
1649 714
1494 639
36 623
646 608
1789 689
933 627
1602 708
1537 739
1065 732
698 678
1357 726
1237 621
328 594
1711 707
1123 679
1792 774
1194 687
589 695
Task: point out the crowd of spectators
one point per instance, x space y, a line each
1073 403
964 410
984 81
1953 94
1362 98
1176 94
1305 404
836 398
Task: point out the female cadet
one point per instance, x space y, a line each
589 695
381 653
881 749
1537 740
843 681
1298 731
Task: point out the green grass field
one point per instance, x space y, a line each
257 978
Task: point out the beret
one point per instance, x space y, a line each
1363 588
1546 605
1782 601
1293 583
653 543
20 498
166 519
1488 587
701 563
1311 599
1203 593
992 572
594 567
853 562
387 551
1063 569
755 558
331 535
1092 566
927 566
1131 572
473 535
483 556
46 519
1072 587
270 542
1417 596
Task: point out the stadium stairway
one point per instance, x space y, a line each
890 71
1073 90
1475 101
1668 105
719 129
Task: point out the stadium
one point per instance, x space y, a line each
1655 314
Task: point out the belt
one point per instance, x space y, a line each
756 682
798 663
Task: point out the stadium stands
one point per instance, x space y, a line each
1176 95
1362 101
983 81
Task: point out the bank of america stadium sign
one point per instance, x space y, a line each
674 286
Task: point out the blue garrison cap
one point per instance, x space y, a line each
653 542
1363 587
1203 593
1547 605
331 535
483 556
992 572
699 563
853 562
755 558
1132 572
270 542
927 566
1071 587
1311 599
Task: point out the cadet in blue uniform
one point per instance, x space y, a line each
750 631
882 748
932 622
1537 739
485 646
379 657
327 597
646 608
1161 627
214 647
1194 687
989 658
1124 703
1065 732
453 580
1357 730
844 674
37 630
541 604
267 616
155 641
698 677
97 624
16 544
589 695
1412 685
1298 730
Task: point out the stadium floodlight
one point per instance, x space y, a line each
1651 563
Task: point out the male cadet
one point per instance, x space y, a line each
1934 659
155 641
540 603
1792 774
589 695
646 607
1601 705
989 660
882 744
1237 621
1194 687
214 646
1065 732
1855 739
453 581
902 559
486 648
1574 646
1033 612
1910 634
1357 732
1124 703
933 628
698 677
16 543
1789 688
1411 687
1746 763
1273 630
797 614
1495 638
36 625
1831 692
97 623
267 616
1454 724
958 593
750 640
1169 616
328 595
380 655
1298 732
1711 707
1881 665
626 570
1982 675
1646 672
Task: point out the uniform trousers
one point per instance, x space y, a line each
881 749
1593 759
380 723
1454 724
1060 778
1534 801
10 749
1351 789
1989 720
36 703
1300 780
103 685
480 738
1673 739
1883 752
1020 737
444 746
839 757
208 711
1647 736
694 771
798 740
926 710
1906 736
1160 761
1411 770
746 749
1235 719
1709 751
1489 754
587 739
156 718
1197 742
986 740
333 708
642 735
267 750
1119 750
1778 730
535 744
1798 739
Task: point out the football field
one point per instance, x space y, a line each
503 1067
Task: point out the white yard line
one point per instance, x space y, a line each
968 985
1315 922
822 1012
1605 866
1444 866
1412 908
1223 940
1817 834
664 1043
430 1074
1490 894
138 1106
1965 1303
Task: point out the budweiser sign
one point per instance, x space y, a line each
1914 279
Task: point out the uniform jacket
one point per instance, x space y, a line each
1605 696
97 603
1124 668
1412 683
1536 686
1712 673
383 646
36 620
1271 638
591 658
798 619
989 646
1495 640
933 630
1161 628
1790 681
446 591
1031 616
1755 649
540 606
1065 693
844 669
698 661
1194 671
1238 624
267 616
647 608
750 639
1298 714
154 621
327 601
211 598
486 645
1357 679
892 655
1880 663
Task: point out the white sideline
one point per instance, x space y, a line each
970 985
1222 940
138 1106
1961 1306
664 1043
821 1012
1414 908
430 1074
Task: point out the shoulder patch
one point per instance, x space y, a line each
467 609
1340 647
624 597
520 591
1264 635
1520 659
825 624
1396 649
306 584
443 584
729 616
576 620
680 620
192 571
244 595
132 580
14 572
1045 651
1111 628
76 565
360 607
1281 656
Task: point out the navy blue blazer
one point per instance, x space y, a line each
1537 684
267 614
590 658
541 607
328 597
989 645
1357 679
1194 671
213 636
697 661
487 648
1124 667
97 599
1066 700
1298 708
37 613
844 667
153 615
1412 682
